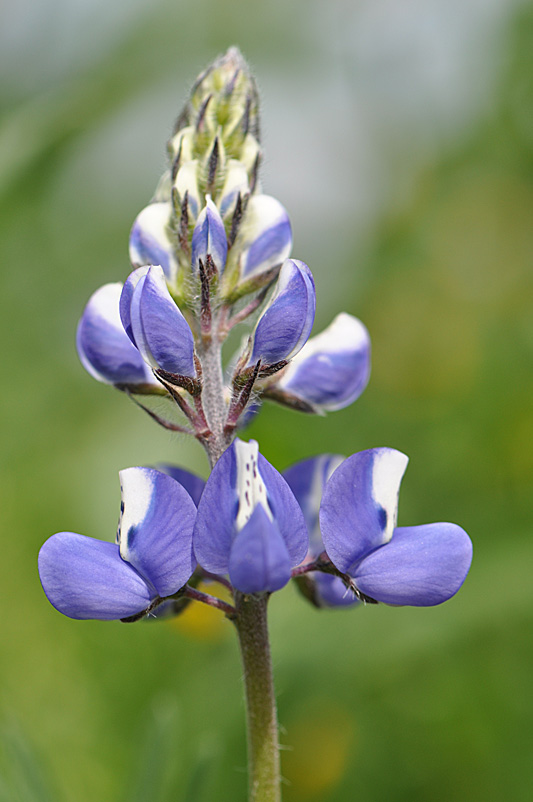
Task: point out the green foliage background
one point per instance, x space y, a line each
423 229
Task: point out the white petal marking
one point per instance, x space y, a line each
387 471
251 489
136 488
345 334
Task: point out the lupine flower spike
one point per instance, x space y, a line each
210 253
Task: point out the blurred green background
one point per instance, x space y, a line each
398 134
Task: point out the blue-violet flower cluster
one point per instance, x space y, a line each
211 252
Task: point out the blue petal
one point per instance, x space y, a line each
421 566
259 561
332 369
286 511
217 511
360 505
103 347
209 238
221 511
161 333
86 578
155 529
126 299
307 479
331 591
193 484
267 236
286 323
150 243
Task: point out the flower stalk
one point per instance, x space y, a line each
213 401
249 617
261 712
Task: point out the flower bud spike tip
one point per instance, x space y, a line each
249 524
223 96
104 348
286 323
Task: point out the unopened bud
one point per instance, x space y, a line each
224 96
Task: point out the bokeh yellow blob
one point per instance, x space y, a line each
319 746
201 622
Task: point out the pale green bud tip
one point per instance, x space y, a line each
224 101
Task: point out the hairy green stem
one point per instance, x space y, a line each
213 401
262 722
250 613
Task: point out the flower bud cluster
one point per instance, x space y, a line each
208 201
208 254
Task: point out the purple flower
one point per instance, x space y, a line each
307 479
103 347
154 323
418 565
209 238
126 298
150 240
249 524
266 237
286 323
153 558
332 369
